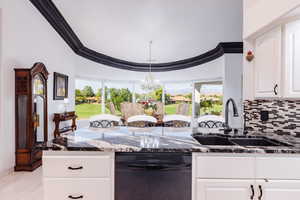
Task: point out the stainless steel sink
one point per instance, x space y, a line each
213 140
257 142
219 140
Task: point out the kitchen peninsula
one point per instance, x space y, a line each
121 163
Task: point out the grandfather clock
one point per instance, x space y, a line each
31 115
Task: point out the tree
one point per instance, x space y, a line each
158 94
117 96
88 91
78 93
99 93
189 96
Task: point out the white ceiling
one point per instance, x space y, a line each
179 28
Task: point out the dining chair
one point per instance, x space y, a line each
180 119
182 109
159 112
211 121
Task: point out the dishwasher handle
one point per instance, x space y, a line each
156 166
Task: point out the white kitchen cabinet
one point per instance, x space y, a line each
233 167
217 189
223 176
277 167
278 189
276 64
78 175
275 177
77 166
292 60
83 188
267 64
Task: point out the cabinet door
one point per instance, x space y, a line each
278 190
221 189
292 61
267 64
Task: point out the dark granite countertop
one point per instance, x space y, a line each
156 139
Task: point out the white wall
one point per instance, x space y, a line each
90 70
233 87
259 14
27 38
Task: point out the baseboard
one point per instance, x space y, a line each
6 172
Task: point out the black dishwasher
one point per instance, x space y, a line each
153 176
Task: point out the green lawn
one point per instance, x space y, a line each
171 109
85 111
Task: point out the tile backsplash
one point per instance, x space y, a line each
284 116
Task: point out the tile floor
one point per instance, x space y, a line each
22 186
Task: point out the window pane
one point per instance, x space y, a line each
87 98
150 100
178 94
117 93
211 99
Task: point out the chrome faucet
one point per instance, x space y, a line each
227 128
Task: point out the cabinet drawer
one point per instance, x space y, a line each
83 166
278 167
224 167
68 189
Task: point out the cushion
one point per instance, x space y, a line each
143 118
183 118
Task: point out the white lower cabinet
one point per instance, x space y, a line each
278 189
91 189
78 175
268 177
222 189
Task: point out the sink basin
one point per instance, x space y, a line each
213 140
257 142
218 140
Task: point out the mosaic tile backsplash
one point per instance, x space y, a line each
284 116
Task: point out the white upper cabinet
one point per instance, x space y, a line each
277 63
267 64
292 60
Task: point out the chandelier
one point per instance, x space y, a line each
150 83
